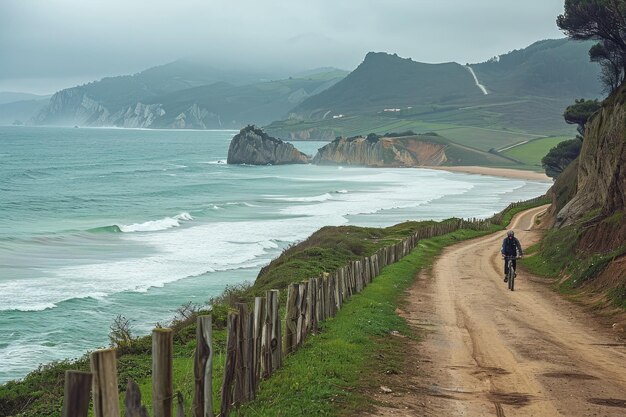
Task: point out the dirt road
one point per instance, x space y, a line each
491 352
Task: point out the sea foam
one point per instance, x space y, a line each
156 225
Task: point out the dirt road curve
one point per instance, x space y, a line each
492 352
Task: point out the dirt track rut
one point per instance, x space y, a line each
492 352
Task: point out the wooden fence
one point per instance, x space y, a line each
255 347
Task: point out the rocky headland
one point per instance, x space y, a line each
375 151
253 146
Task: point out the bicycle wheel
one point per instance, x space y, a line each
512 278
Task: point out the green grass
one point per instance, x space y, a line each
532 152
557 257
483 138
319 379
369 317
519 207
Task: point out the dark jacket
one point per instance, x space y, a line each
510 247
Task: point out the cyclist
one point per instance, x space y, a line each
510 247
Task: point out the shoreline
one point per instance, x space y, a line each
512 173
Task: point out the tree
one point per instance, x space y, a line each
604 21
580 112
120 332
561 156
612 62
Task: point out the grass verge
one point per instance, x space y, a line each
320 378
321 373
557 257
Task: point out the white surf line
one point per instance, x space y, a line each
479 85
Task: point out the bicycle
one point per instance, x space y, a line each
511 274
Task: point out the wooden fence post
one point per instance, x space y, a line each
348 280
325 284
332 303
76 394
133 401
266 336
302 306
229 367
319 301
291 318
249 356
105 393
338 290
276 350
311 294
162 383
203 368
259 317
240 394
358 277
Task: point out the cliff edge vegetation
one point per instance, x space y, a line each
585 246
335 354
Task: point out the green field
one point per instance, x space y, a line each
531 153
484 138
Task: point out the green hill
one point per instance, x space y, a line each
224 105
388 81
183 94
558 68
527 91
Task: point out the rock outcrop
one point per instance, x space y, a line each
600 198
374 151
253 146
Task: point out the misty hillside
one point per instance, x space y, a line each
11 97
550 68
182 94
384 80
553 68
223 105
21 112
527 91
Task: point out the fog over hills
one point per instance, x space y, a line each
190 94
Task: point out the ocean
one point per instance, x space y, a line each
100 222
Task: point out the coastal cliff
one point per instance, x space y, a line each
600 180
255 147
375 151
74 106
585 245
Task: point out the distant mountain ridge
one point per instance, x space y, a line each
385 80
551 68
182 95
12 97
548 68
534 82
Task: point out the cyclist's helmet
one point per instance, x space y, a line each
510 233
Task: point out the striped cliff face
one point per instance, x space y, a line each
412 151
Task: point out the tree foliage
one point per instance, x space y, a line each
612 61
120 332
580 112
561 156
604 21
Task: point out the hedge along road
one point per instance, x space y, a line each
489 351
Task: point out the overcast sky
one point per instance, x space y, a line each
47 45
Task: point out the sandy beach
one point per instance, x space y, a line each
497 172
